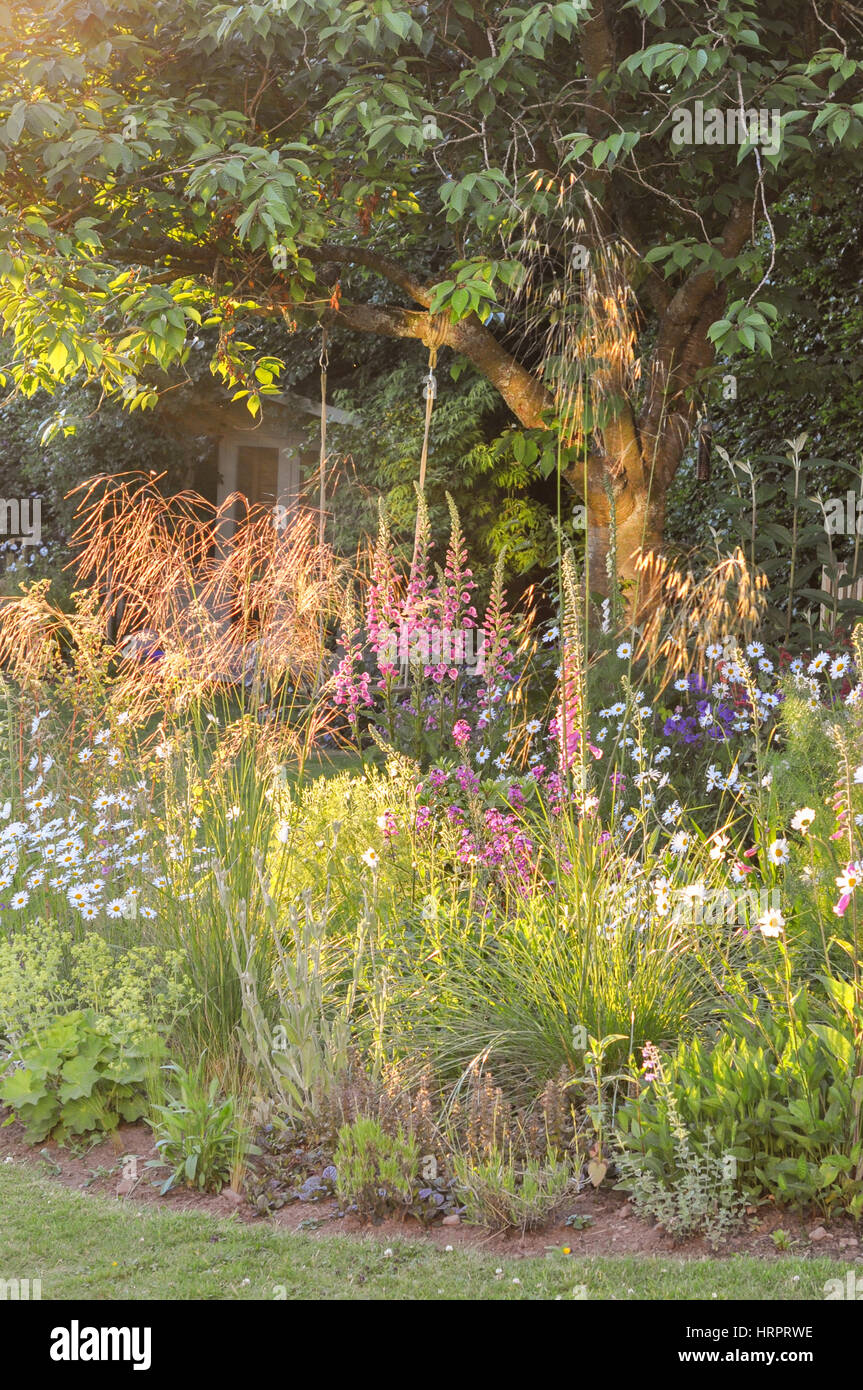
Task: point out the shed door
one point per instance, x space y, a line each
258 474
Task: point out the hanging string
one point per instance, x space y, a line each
433 337
324 362
430 392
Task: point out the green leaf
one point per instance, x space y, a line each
841 1047
15 123
79 1077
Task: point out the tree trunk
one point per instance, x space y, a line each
624 493
639 520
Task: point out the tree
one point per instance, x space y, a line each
170 163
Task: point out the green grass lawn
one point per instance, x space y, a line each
89 1247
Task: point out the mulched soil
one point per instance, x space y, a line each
614 1228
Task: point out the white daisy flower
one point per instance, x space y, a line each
19 900
772 923
371 858
662 901
778 852
846 882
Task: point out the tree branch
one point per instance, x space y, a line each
526 397
328 252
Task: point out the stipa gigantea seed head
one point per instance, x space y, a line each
693 612
224 592
575 298
32 630
857 644
574 305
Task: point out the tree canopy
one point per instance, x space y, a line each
451 172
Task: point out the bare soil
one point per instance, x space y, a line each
614 1228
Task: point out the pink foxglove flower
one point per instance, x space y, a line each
383 609
351 685
454 600
495 657
461 732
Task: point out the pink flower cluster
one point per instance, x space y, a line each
497 656
453 599
351 685
461 732
503 845
383 608
564 727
